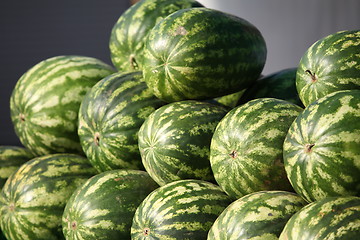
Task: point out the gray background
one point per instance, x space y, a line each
31 31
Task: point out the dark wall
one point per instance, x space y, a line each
31 31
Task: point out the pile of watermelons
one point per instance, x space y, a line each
183 138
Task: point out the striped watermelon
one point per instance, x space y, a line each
33 198
184 209
280 85
201 53
129 33
11 158
332 218
45 102
330 64
322 147
259 215
246 148
174 141
109 118
104 206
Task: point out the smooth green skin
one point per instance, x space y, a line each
329 65
110 117
45 102
202 53
246 152
128 35
34 197
280 85
104 206
181 210
11 158
259 215
322 147
334 218
174 141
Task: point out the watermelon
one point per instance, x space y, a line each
336 218
110 117
246 148
230 100
330 64
322 147
128 35
34 197
259 215
11 158
184 209
104 206
174 141
201 53
280 85
45 102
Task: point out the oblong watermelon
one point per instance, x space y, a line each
128 35
247 147
46 99
174 141
184 209
34 197
110 117
259 215
331 64
335 218
201 53
322 147
104 206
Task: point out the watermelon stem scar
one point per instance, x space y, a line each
313 76
146 231
308 147
133 62
22 117
233 154
97 138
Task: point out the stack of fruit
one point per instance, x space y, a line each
183 138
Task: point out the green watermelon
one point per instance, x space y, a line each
280 85
335 218
104 206
110 117
322 147
46 99
174 141
129 33
184 209
201 53
34 197
259 215
330 64
246 148
230 100
11 158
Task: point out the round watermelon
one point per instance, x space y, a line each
184 209
259 215
129 33
331 64
11 158
103 207
174 141
247 147
110 117
34 197
201 53
46 99
335 218
322 147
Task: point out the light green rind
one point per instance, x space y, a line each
174 141
334 61
259 215
45 102
33 198
332 218
246 148
322 147
185 209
